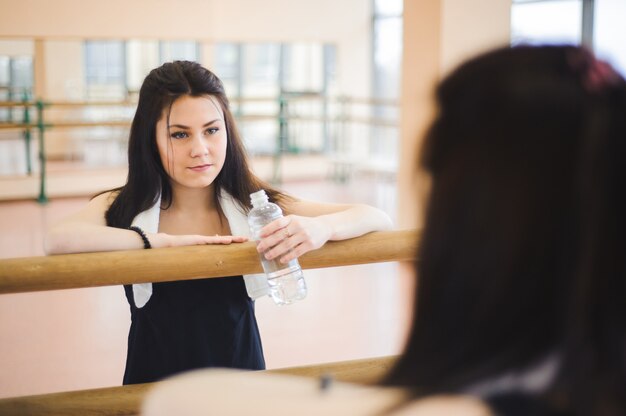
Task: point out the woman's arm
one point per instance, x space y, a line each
86 231
186 394
309 225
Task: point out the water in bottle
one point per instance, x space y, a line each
285 280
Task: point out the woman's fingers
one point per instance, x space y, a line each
274 226
289 248
224 239
159 240
282 229
294 253
273 240
290 237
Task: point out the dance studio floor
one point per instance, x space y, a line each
76 339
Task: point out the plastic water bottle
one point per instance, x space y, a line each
286 281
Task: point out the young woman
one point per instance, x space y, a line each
520 307
189 183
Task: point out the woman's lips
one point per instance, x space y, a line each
200 168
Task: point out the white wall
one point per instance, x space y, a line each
345 23
469 27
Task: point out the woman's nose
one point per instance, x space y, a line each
199 147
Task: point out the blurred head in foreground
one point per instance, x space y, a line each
522 262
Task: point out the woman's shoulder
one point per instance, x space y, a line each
235 392
105 198
97 206
111 194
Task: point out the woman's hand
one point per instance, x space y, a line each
159 240
289 237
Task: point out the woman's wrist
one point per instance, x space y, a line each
160 240
142 235
327 223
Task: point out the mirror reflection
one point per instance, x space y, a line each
309 120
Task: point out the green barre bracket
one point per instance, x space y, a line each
26 133
42 199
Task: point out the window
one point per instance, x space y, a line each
330 70
260 66
599 23
179 50
16 84
5 87
382 144
226 67
548 21
387 47
141 57
255 76
609 32
22 75
303 67
105 70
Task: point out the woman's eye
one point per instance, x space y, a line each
212 130
179 135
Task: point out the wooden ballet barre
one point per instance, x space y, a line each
17 104
126 400
73 104
102 123
107 401
69 271
365 371
17 126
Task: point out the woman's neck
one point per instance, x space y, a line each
192 200
193 211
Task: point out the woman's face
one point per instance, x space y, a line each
193 146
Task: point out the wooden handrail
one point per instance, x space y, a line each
16 104
72 104
17 126
101 123
365 371
65 124
126 400
67 271
68 103
108 401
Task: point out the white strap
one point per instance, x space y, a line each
148 221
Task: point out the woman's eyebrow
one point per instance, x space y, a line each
182 126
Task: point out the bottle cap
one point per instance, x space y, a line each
258 198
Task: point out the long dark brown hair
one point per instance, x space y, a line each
147 179
523 254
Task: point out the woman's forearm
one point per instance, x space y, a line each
84 238
356 221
